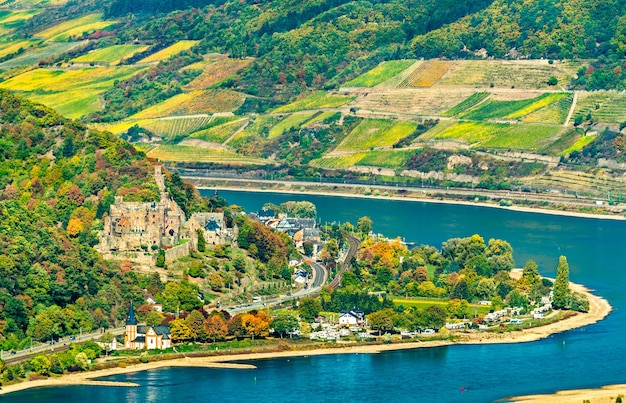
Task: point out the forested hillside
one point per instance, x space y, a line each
57 178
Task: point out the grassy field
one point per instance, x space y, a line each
12 47
221 132
466 104
423 303
73 93
170 51
494 109
10 20
317 100
380 73
579 144
111 55
496 135
76 27
376 133
528 74
197 154
34 55
604 106
217 72
194 102
290 122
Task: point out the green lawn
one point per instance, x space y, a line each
422 303
380 73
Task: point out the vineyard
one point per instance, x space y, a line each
427 101
292 121
380 73
466 104
394 82
321 117
530 74
317 100
603 106
598 185
259 127
344 161
13 47
494 109
175 127
427 75
170 51
496 135
10 20
554 113
111 55
219 133
194 102
181 153
217 72
376 133
386 158
579 144
76 27
34 55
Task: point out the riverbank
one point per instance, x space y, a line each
599 308
605 394
443 196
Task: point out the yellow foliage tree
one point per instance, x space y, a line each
74 227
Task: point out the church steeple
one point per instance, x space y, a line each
131 319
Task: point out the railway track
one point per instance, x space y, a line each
352 250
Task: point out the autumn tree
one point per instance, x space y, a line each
215 327
195 321
180 331
41 364
561 290
256 325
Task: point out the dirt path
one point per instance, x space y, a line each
571 109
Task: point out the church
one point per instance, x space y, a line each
139 337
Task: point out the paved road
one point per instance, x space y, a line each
61 345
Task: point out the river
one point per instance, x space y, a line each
581 358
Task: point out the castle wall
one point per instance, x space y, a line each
177 252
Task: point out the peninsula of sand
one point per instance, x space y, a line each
599 308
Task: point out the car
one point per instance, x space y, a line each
13 352
72 337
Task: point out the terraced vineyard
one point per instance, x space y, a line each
380 73
317 100
344 161
111 55
386 158
292 121
15 46
194 102
395 81
466 104
494 109
530 74
175 127
76 27
74 93
221 132
181 153
170 51
216 72
496 135
604 106
554 113
598 185
319 118
376 133
425 102
579 144
428 74
10 20
259 127
35 54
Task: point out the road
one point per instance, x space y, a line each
61 345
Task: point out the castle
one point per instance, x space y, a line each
135 230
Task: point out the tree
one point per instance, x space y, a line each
180 331
284 323
552 81
215 328
256 325
579 302
195 321
201 240
41 364
364 225
561 291
82 360
309 308
381 320
154 318
160 261
432 317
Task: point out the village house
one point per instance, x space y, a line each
139 337
353 317
213 226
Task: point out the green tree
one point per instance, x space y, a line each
284 323
579 302
561 291
41 364
82 361
195 321
381 320
154 318
201 240
160 261
364 225
309 308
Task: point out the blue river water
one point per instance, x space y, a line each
582 358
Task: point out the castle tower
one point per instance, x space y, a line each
131 326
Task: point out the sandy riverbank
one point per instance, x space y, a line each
599 308
605 394
411 197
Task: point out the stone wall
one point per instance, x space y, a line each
177 252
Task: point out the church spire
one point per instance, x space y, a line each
130 318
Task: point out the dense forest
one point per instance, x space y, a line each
57 179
